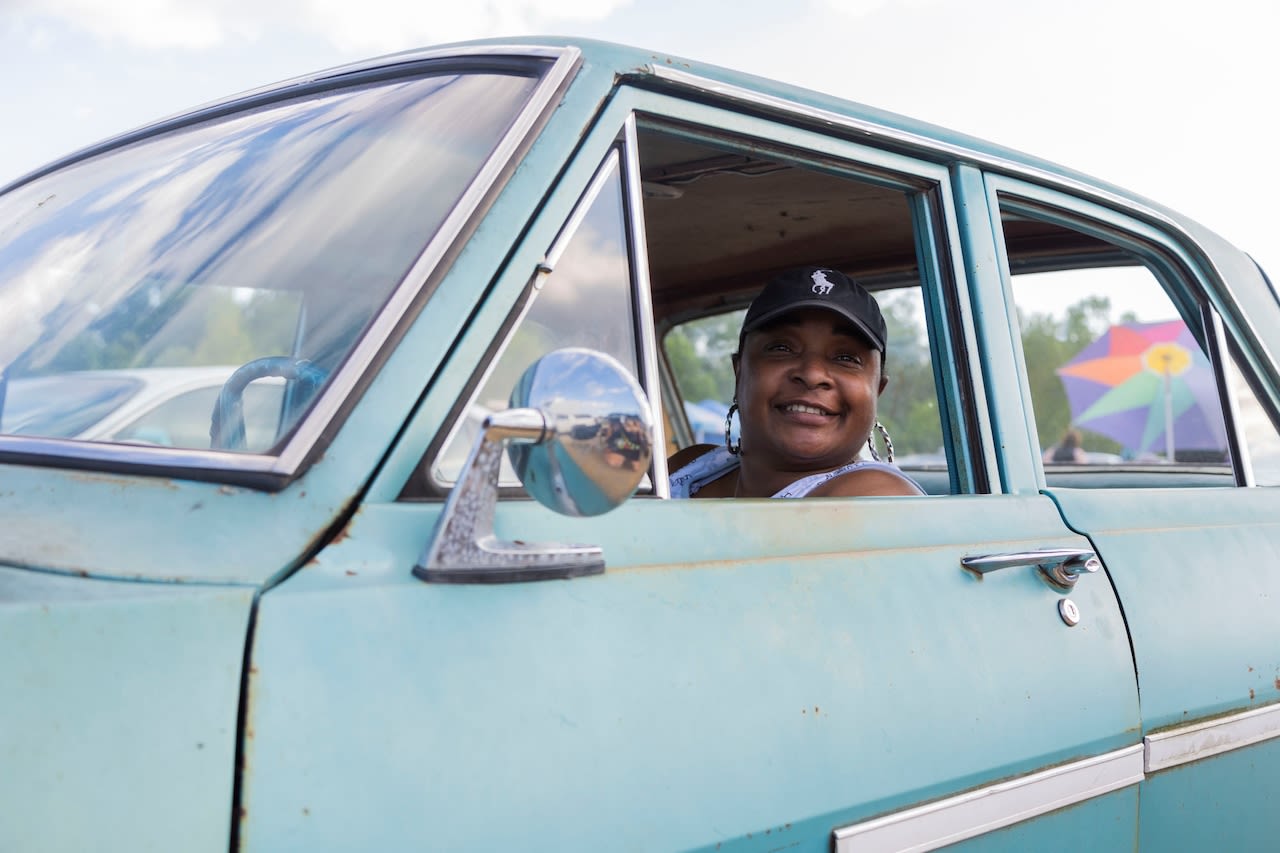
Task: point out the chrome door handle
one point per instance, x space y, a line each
1061 567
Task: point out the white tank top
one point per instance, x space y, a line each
714 464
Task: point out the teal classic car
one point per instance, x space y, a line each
478 273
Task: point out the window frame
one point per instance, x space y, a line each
1160 246
928 188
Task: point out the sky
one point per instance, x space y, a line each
1173 99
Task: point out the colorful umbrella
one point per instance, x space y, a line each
1139 377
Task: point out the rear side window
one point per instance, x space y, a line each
1118 358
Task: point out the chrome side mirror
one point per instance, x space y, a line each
580 436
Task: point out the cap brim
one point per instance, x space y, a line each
826 305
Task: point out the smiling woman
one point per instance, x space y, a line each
808 373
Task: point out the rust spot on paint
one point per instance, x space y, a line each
1250 694
350 573
1278 684
306 812
1251 669
815 709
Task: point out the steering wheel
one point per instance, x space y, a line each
226 428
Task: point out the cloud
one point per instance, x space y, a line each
353 27
863 8
146 23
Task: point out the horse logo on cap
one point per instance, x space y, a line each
821 284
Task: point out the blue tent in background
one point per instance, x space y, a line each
706 419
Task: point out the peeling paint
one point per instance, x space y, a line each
124 482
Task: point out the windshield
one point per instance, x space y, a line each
261 244
63 406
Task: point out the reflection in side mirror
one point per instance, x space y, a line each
599 433
580 436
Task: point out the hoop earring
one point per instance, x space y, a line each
735 449
888 443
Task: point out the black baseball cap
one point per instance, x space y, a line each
817 287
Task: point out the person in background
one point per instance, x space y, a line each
1068 450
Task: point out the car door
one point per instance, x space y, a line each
745 675
1183 521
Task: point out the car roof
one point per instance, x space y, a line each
638 66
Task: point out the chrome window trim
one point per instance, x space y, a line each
1212 737
913 141
1220 356
275 470
642 301
993 807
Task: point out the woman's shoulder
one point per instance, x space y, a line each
867 478
683 457
702 471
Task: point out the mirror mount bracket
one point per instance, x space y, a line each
464 548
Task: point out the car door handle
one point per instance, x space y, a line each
1061 567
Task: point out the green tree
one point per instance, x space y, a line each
1047 344
909 406
700 354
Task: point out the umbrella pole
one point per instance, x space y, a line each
1168 414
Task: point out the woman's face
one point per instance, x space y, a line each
807 386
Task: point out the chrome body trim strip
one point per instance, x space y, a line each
1212 737
993 807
